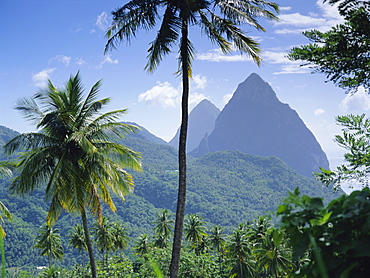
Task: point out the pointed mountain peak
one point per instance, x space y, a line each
256 89
201 121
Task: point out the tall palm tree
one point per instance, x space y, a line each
50 243
219 20
74 154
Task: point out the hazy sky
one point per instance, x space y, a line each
54 39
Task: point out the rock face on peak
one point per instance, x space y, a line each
255 122
201 122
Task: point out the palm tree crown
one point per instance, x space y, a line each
74 153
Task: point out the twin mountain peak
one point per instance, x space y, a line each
254 121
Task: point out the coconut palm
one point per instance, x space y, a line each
273 256
77 238
195 233
103 237
219 20
75 154
119 235
216 239
142 245
50 243
163 228
240 255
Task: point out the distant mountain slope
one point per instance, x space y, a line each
256 122
144 134
201 122
228 187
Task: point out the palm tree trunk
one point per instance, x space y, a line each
88 243
181 197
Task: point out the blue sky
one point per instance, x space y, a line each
56 38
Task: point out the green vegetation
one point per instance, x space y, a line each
342 53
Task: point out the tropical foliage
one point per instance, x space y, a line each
329 241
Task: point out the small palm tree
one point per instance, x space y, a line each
77 238
195 232
163 228
142 245
75 154
273 257
120 236
219 20
50 243
103 237
216 239
240 255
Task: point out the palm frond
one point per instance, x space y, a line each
30 110
213 31
131 17
167 35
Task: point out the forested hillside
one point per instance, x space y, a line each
226 188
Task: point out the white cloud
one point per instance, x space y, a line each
296 23
102 21
216 55
287 8
359 101
39 79
319 111
288 66
199 81
80 61
195 98
66 60
107 60
163 94
297 19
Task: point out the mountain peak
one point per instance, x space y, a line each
255 89
255 122
201 122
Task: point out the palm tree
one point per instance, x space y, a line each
195 232
74 154
142 245
240 254
219 20
103 236
50 243
120 236
163 228
273 256
77 238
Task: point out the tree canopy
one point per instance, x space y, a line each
342 53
